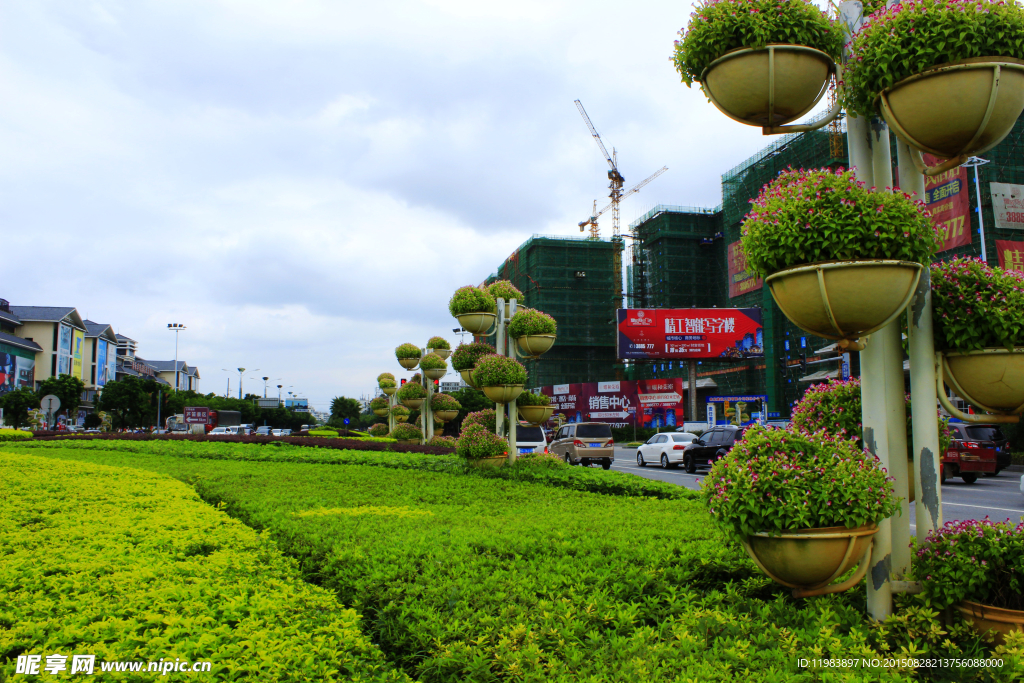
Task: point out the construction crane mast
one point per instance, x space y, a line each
615 183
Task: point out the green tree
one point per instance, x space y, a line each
126 401
16 405
68 389
342 407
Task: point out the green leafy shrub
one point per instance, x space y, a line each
466 355
504 289
14 435
385 375
476 442
86 547
822 215
432 361
716 27
776 480
444 402
528 321
442 441
470 299
911 37
976 305
410 391
379 403
528 398
494 370
399 410
386 383
486 418
406 432
976 560
322 432
416 379
378 430
406 351
438 343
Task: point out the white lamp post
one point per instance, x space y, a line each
176 327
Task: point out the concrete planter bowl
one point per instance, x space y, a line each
381 412
442 353
408 363
844 299
996 619
503 393
809 560
412 403
990 379
477 323
390 391
770 86
467 377
536 414
958 109
496 461
446 415
401 418
436 373
535 344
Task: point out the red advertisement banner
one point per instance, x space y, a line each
649 402
678 333
1011 255
741 280
950 205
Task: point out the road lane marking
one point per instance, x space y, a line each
982 507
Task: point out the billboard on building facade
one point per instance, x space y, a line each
741 280
101 362
64 349
670 333
646 402
77 350
17 368
1008 205
111 362
949 203
1011 255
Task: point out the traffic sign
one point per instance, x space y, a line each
346 420
50 403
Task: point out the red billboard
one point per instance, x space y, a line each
678 333
649 402
741 280
948 201
1011 255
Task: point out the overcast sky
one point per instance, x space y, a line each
303 184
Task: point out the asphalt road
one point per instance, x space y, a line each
998 497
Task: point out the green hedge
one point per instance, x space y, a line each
322 432
130 565
14 435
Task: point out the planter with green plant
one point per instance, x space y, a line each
481 448
840 261
533 330
440 346
951 84
979 330
385 375
445 407
474 308
761 62
388 386
407 433
433 366
500 378
804 506
408 355
442 441
465 357
378 430
486 418
976 566
503 289
400 413
534 408
380 406
412 395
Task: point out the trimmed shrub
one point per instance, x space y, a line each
379 403
399 410
476 442
438 343
485 418
977 305
407 350
385 375
432 361
14 435
322 432
470 299
528 321
416 379
505 290
379 429
494 370
442 442
411 390
466 355
528 398
444 402
406 432
386 383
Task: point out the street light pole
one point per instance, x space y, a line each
177 327
975 162
265 386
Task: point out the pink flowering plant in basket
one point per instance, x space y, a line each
476 443
811 216
977 560
776 480
976 306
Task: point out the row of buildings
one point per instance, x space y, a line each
686 257
39 342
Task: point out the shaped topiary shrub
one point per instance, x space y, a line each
476 442
466 355
471 299
379 403
411 390
404 351
385 375
494 370
432 361
438 343
529 321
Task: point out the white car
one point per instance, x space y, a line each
665 448
219 430
276 432
530 439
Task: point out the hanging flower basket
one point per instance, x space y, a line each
958 109
535 344
503 393
987 618
770 86
991 379
446 415
445 407
500 378
390 391
412 395
845 299
467 377
474 308
535 414
477 323
433 366
440 347
408 355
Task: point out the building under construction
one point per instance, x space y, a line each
682 257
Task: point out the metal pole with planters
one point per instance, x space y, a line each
418 393
845 255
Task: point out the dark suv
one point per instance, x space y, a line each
712 445
982 441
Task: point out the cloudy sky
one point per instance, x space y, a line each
304 183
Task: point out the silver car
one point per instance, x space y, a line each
667 449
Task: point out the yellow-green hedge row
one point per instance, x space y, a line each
131 565
14 435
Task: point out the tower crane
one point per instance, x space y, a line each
615 182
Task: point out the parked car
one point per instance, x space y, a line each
975 449
585 443
265 431
710 446
276 432
531 439
219 430
286 432
665 448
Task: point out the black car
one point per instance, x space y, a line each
982 436
712 445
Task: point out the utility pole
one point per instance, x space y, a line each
176 327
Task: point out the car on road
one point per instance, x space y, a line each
276 432
975 449
265 431
585 443
219 430
531 439
712 445
667 449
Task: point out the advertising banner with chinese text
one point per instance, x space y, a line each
64 350
17 368
197 416
1011 255
1008 205
670 333
649 403
950 206
77 350
741 280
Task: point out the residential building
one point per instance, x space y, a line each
101 355
59 331
17 355
187 377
